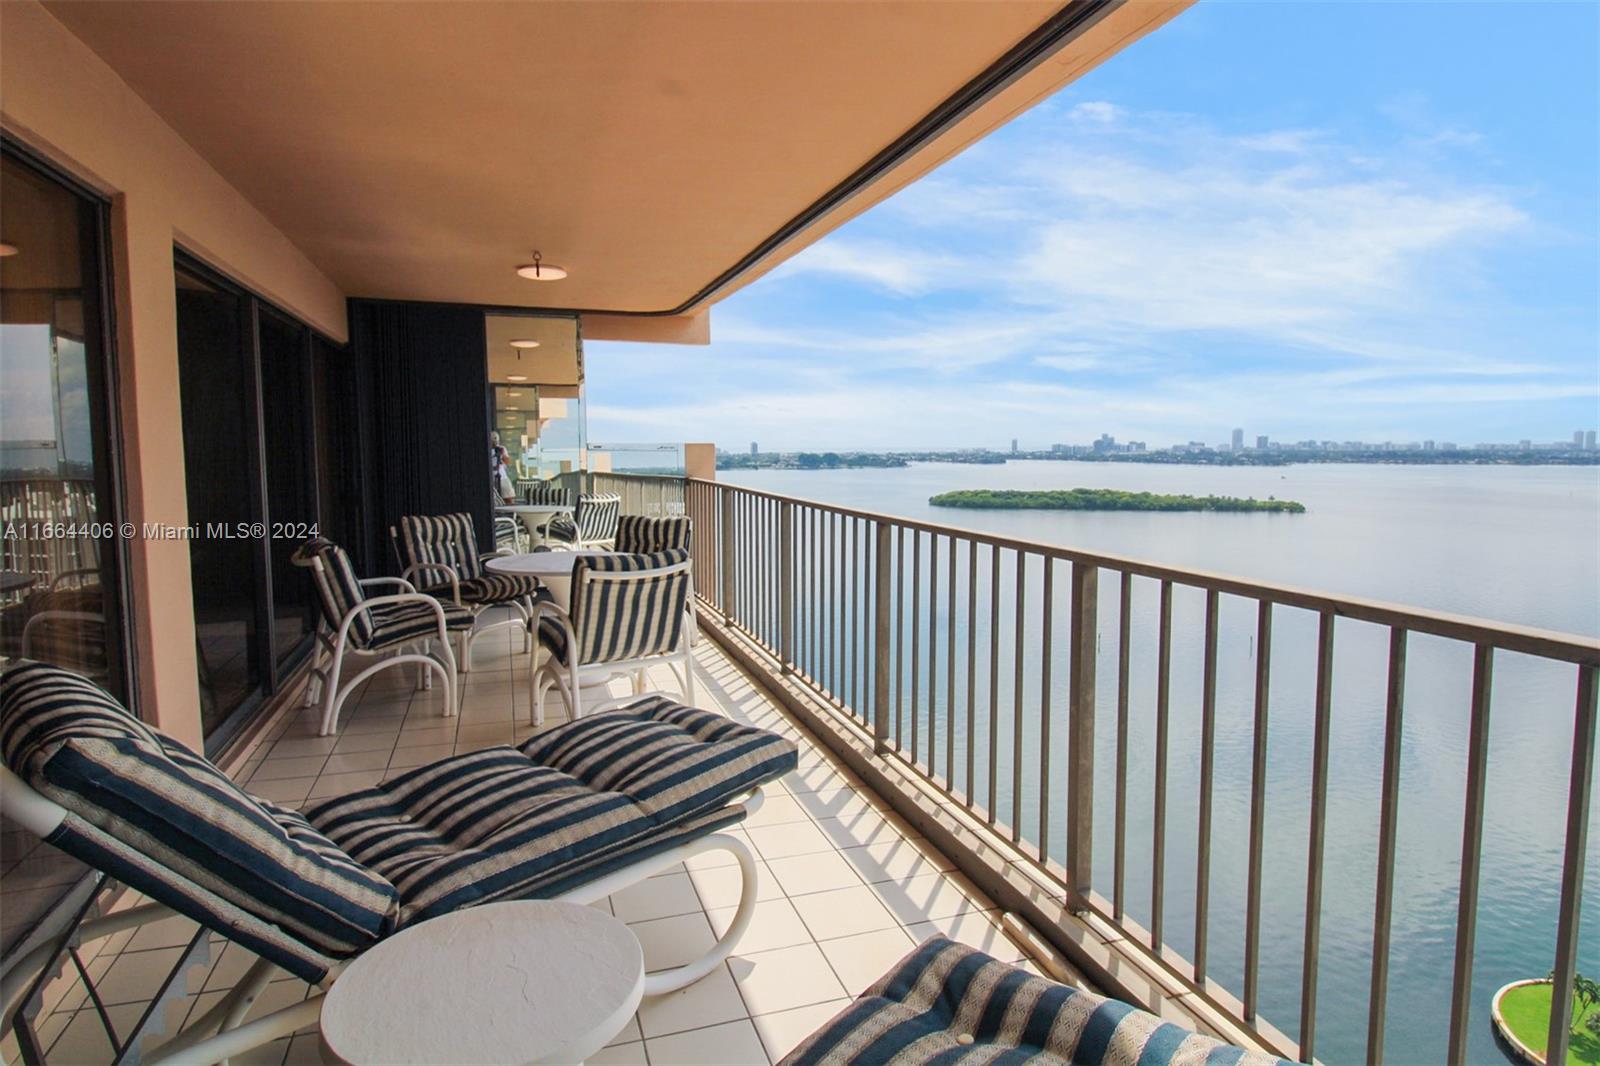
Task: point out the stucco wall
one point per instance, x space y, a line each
60 99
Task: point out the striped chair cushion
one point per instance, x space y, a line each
597 516
562 529
628 619
338 589
641 533
160 818
494 588
399 622
574 803
444 540
948 1003
547 492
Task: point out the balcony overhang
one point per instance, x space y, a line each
665 154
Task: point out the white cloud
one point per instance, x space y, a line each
1096 111
1136 273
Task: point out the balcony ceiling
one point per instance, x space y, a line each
423 150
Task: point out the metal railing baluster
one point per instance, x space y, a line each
1258 810
1208 747
1018 687
1119 854
1084 602
1047 598
1158 834
1388 814
1323 717
1471 851
1580 786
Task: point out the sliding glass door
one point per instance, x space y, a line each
62 599
248 377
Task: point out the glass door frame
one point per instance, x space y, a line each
100 362
276 669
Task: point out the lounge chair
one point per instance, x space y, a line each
627 613
577 813
952 1004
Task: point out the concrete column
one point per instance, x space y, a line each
161 616
700 461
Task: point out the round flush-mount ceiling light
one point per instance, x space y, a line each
523 344
7 249
516 377
539 270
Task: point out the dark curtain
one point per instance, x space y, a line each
424 418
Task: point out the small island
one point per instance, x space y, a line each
1105 500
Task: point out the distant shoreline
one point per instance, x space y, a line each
1458 457
1107 500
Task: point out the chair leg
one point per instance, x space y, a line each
452 678
688 679
464 655
330 693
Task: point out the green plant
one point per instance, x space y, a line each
1586 994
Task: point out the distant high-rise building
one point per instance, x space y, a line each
1577 438
1013 446
1238 440
755 449
1427 445
1261 442
1106 443
1525 445
1588 440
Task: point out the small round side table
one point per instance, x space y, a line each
518 982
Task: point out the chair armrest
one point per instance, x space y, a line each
541 608
410 573
383 601
405 586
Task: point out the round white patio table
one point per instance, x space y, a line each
553 569
534 516
516 983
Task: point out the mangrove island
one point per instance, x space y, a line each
1105 500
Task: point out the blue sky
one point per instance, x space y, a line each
1354 220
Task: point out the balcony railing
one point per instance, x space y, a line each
984 663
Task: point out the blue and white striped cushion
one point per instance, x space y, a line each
444 540
574 803
951 1004
617 620
643 533
157 816
396 623
597 516
338 589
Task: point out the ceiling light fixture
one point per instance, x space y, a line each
524 344
7 249
538 270
516 377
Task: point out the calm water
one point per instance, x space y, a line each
1509 544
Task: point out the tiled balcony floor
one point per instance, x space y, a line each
846 888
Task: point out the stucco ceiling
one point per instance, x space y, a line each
423 150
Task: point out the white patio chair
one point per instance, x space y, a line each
628 613
399 628
439 554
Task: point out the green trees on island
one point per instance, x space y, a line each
1105 500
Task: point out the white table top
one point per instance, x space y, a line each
519 982
539 564
533 508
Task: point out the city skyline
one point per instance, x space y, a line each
1409 255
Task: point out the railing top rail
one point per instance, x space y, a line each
1530 640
